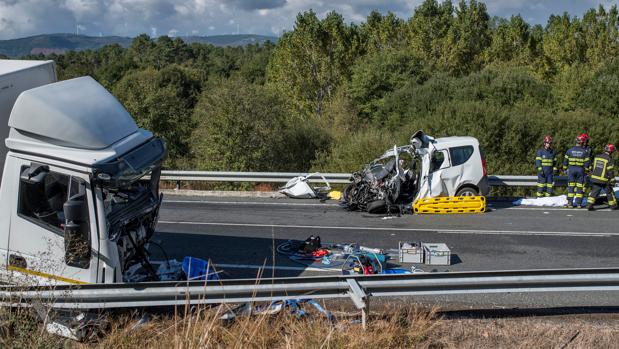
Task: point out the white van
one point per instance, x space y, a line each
456 167
425 168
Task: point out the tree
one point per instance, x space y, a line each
247 127
600 93
511 42
142 50
601 35
310 62
376 75
382 32
428 28
466 39
162 102
563 43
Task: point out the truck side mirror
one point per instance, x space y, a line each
76 232
35 173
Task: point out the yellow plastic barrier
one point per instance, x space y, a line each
450 205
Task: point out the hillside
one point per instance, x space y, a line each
60 43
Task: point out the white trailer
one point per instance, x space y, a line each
15 77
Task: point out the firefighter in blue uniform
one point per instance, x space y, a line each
589 156
546 166
576 161
602 177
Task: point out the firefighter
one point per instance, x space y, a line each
546 166
576 161
602 177
590 157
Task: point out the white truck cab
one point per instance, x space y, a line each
74 207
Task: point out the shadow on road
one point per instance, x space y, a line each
231 250
525 312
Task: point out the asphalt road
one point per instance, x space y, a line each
241 235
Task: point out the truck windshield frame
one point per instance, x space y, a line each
131 166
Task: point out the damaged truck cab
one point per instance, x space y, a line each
74 204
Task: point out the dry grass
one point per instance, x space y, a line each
394 327
405 328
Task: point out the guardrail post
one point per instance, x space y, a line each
178 185
361 300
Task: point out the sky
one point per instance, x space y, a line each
20 18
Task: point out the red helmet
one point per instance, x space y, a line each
547 139
581 138
585 137
609 148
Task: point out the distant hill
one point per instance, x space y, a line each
60 43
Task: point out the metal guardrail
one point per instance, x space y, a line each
356 287
283 177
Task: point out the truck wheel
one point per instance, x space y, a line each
377 206
467 191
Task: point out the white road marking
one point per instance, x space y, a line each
286 203
439 231
249 203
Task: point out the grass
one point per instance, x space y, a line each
394 326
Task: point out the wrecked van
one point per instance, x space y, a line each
426 167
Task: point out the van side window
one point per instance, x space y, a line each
460 155
42 201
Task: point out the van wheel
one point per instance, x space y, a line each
467 191
377 206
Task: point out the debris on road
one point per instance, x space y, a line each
347 258
191 268
299 188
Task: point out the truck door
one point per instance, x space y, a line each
37 235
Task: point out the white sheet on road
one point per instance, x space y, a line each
552 201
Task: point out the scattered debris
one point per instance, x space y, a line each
299 188
75 325
294 306
347 258
191 268
199 269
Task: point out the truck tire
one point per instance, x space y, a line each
377 206
467 191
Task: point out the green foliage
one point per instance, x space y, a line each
352 152
161 101
331 95
512 42
376 75
247 127
601 93
311 61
